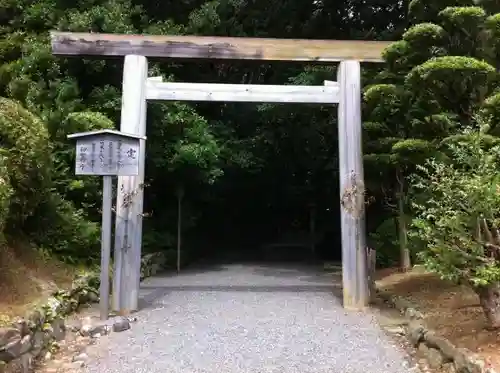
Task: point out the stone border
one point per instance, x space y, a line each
439 351
30 337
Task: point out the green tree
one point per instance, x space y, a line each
393 150
419 99
188 151
457 207
26 149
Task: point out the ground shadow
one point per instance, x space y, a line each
245 289
159 292
193 269
305 272
317 281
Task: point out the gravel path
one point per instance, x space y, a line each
247 319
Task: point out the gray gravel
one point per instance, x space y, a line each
247 318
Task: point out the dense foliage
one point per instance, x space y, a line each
433 114
237 175
456 203
436 79
460 191
242 172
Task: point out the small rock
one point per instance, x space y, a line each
121 324
442 344
92 330
398 330
85 330
81 357
15 349
415 332
8 335
101 329
435 358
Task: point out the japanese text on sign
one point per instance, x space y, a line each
107 155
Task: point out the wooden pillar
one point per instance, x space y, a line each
129 201
352 190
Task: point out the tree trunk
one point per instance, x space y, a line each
180 194
371 263
489 298
312 229
404 251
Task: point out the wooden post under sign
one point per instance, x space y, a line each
106 153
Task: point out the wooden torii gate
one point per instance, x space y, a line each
138 88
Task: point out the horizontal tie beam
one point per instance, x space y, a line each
157 90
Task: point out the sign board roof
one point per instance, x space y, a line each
105 132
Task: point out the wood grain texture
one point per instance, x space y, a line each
156 90
352 199
225 48
129 196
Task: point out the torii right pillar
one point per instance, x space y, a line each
352 188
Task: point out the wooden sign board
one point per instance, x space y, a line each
107 153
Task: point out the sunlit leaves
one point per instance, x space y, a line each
458 191
490 113
428 10
424 35
467 19
492 30
385 102
465 28
205 18
456 82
